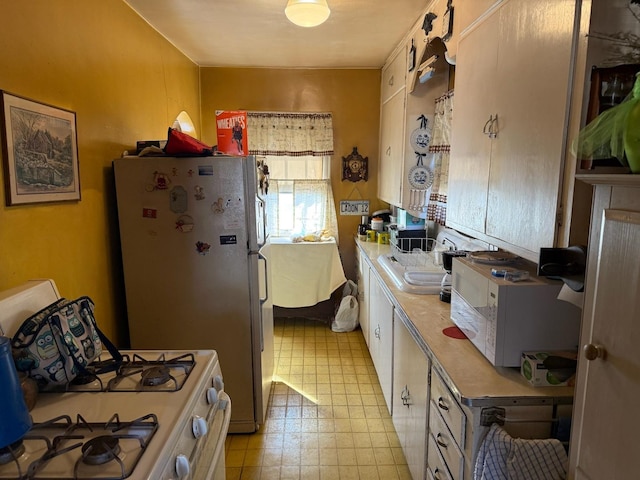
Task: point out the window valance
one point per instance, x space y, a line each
292 134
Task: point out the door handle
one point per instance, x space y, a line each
593 352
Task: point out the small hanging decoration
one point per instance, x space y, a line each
263 177
420 177
421 136
355 167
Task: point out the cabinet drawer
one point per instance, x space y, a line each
443 400
394 76
437 466
446 445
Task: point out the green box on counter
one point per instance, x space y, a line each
549 369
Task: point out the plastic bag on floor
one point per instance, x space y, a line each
350 288
346 319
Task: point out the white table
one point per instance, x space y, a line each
304 273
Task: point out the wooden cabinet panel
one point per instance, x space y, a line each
391 166
363 295
394 75
527 154
604 432
505 176
474 103
410 402
381 338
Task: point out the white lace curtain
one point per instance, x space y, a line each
440 146
301 207
292 134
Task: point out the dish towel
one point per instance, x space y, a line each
502 457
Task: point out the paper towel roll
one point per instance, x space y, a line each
569 295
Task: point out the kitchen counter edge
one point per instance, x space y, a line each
470 376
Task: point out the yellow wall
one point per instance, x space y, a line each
352 96
125 83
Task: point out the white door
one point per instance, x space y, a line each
606 437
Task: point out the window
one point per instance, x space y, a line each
297 148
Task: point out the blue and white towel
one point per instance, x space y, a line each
502 457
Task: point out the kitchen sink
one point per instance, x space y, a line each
417 272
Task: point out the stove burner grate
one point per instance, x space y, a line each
96 450
154 376
100 450
161 375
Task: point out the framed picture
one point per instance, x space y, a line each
40 152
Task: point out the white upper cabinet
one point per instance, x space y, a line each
513 73
392 122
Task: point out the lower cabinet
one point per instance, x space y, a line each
381 337
440 435
447 428
363 296
410 401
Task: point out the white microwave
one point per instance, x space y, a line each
504 318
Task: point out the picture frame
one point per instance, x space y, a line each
39 151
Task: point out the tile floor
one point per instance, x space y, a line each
327 419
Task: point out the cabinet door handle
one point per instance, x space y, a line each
391 80
440 442
388 151
487 126
406 396
442 404
493 128
436 474
376 332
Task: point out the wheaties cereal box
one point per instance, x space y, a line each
232 132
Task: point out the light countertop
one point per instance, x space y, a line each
468 373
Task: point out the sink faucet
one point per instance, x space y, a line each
446 240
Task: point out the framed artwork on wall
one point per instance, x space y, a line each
39 151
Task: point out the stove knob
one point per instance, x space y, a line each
199 427
212 396
218 383
182 466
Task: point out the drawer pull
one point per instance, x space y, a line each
440 442
442 405
376 332
391 80
436 474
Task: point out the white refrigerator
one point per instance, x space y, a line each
196 272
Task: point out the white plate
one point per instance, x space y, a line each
420 140
420 177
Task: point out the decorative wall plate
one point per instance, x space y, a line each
420 177
420 140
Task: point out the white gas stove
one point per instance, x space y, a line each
161 415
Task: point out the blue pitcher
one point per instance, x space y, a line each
15 420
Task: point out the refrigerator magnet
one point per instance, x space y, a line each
161 181
202 248
218 206
199 192
184 224
178 199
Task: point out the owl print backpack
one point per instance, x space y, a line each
59 342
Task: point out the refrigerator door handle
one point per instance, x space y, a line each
263 300
266 278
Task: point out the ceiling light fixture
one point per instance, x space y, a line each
307 13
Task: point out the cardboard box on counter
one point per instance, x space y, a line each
549 369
